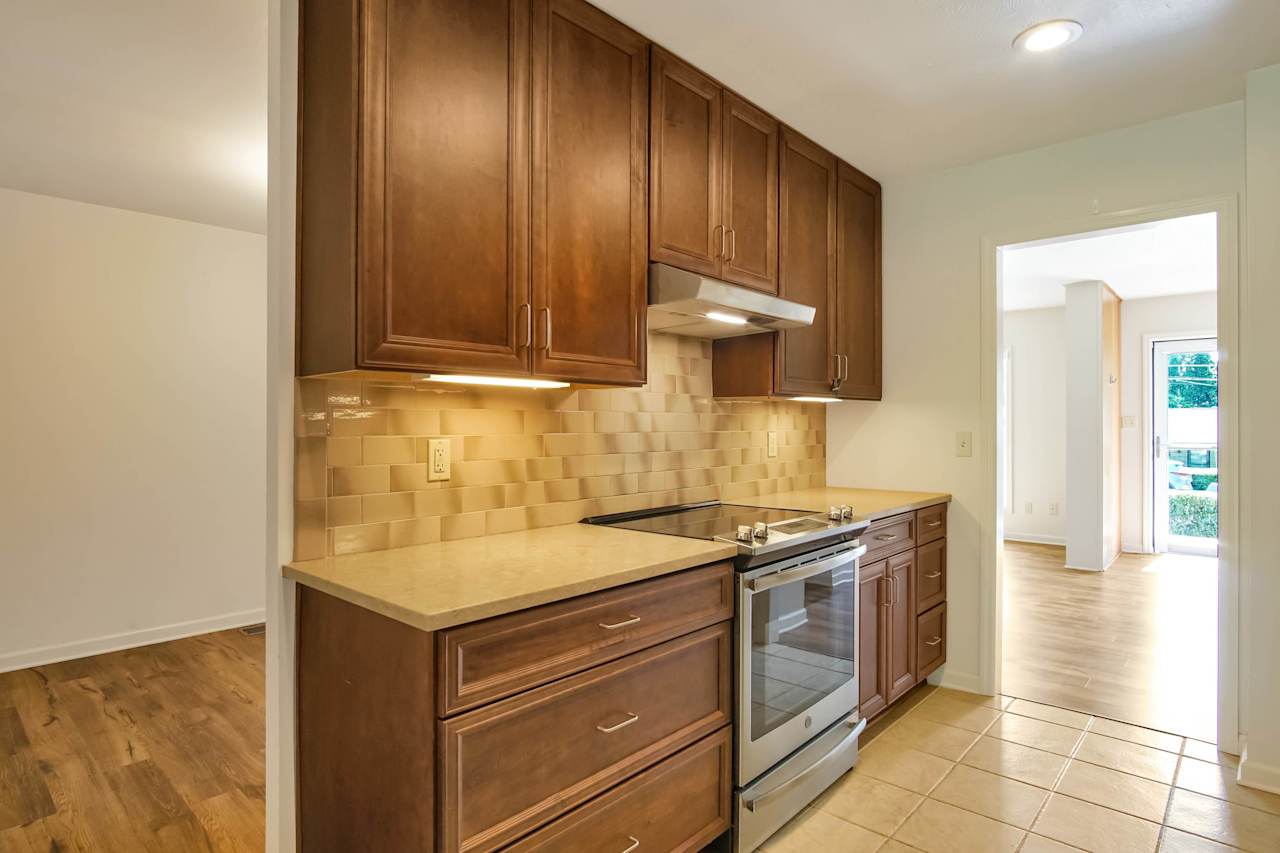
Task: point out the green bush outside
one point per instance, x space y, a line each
1193 515
1200 482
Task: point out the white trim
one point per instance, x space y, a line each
127 640
1254 774
967 682
991 519
1035 538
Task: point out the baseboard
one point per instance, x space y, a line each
966 682
127 640
1035 539
1255 774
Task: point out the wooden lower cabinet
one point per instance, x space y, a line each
566 742
640 811
902 609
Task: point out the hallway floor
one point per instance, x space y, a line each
961 773
1137 642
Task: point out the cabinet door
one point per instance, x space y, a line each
901 573
858 285
444 185
590 198
750 195
686 226
806 268
872 639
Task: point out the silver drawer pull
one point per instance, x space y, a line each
933 642
934 523
630 620
886 537
635 844
631 718
933 575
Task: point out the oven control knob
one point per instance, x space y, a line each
761 531
846 511
744 533
834 513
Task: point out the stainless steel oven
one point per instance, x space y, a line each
797 720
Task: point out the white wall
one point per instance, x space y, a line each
1085 425
1037 347
133 428
933 228
1192 313
1260 468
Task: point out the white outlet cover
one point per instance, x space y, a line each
439 464
772 443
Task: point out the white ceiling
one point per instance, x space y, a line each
1167 258
903 86
151 105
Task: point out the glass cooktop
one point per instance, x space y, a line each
719 521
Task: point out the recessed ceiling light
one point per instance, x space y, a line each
495 381
1048 35
815 400
722 317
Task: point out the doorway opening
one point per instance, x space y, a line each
1108 453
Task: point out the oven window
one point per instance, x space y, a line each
802 641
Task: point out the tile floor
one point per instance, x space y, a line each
961 772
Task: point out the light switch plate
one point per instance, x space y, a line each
964 444
1053 509
773 443
438 463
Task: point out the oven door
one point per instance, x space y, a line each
797 653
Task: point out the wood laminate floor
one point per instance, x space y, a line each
159 748
1136 643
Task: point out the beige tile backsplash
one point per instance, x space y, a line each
525 458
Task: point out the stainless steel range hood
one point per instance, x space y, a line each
680 302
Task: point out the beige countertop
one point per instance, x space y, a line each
870 504
450 583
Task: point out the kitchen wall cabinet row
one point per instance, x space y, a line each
902 592
481 185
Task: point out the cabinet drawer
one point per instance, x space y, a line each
516 764
931 641
931 574
498 657
679 805
889 536
931 523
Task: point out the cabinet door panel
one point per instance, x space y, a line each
902 624
806 270
858 284
872 639
590 137
750 195
443 227
685 215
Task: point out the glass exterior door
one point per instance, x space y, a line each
1185 446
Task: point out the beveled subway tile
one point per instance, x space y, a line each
344 393
479 498
407 478
524 494
357 422
360 480
563 490
488 472
344 452
412 422
506 520
603 487
562 444
359 538
544 468
310 478
388 449
386 507
345 510
309 535
539 421
311 412
413 531
462 526
481 421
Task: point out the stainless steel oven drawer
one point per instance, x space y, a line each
761 809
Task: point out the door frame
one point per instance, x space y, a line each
1149 389
991 517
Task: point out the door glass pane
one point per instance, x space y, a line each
1191 460
802 640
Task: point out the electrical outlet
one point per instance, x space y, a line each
1053 509
1128 422
773 443
438 454
1029 508
964 444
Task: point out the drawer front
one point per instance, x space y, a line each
931 523
516 764
931 574
931 641
679 805
499 657
889 536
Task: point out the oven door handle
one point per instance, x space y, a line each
756 802
808 570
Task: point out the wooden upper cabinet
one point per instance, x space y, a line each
858 285
590 140
750 177
444 184
685 115
806 264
